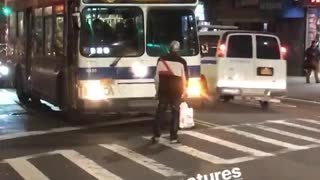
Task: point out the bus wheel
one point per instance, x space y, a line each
264 104
22 96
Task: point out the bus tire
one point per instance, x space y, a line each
22 96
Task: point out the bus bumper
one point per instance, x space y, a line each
112 105
144 105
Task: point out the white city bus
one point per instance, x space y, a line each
93 55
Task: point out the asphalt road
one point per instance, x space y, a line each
236 140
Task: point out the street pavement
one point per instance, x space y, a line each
298 89
236 140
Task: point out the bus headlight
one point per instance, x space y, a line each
139 70
94 90
4 70
194 87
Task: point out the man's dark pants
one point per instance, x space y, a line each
315 69
174 104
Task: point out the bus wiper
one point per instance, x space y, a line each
115 62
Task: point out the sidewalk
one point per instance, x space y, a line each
299 89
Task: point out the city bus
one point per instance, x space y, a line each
99 55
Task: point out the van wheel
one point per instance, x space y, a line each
22 96
264 104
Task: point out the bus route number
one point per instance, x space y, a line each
92 70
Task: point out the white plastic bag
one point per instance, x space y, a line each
186 116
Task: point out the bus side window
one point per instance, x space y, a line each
58 31
37 35
48 31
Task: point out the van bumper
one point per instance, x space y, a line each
228 91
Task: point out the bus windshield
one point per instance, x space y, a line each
165 26
112 32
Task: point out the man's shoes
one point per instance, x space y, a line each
174 141
155 139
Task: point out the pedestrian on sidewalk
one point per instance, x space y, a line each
311 63
171 84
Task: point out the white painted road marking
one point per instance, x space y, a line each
232 145
264 139
285 133
89 166
202 155
297 126
142 160
26 170
309 121
67 129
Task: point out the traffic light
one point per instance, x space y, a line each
6 11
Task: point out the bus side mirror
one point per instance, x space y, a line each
76 19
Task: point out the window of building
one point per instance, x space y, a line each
37 38
240 46
48 31
58 33
267 48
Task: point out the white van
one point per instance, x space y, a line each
243 63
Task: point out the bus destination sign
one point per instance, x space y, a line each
142 1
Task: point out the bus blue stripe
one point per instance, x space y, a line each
122 73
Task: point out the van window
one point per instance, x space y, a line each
240 46
209 45
267 48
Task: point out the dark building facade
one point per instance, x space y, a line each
286 18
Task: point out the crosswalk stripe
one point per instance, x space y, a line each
309 121
297 126
277 131
142 160
26 170
264 139
227 143
88 165
202 155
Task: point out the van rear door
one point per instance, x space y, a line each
209 43
235 68
270 68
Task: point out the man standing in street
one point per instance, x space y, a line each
312 62
171 84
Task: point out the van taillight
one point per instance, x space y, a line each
221 50
283 52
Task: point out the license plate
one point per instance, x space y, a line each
265 71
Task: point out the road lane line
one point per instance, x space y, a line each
143 160
88 165
264 139
68 129
26 170
205 123
298 126
285 133
309 121
202 155
229 144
